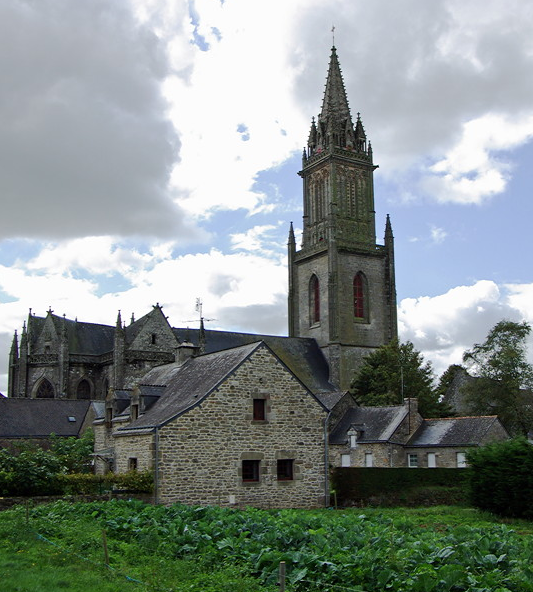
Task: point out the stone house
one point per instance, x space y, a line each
235 427
398 436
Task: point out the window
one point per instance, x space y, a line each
250 471
412 461
285 469
153 339
45 390
369 459
432 460
108 416
132 464
314 300
346 461
84 390
461 460
259 409
359 296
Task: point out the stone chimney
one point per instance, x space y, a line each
184 351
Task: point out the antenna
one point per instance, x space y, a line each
198 308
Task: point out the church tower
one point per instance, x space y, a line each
341 283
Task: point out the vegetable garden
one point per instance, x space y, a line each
435 549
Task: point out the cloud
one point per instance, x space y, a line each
86 146
254 239
438 234
444 326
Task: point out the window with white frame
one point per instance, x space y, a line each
461 460
412 461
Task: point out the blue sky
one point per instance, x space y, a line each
150 153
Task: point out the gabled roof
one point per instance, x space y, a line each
38 418
83 338
454 431
188 384
301 355
377 424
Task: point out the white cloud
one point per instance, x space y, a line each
438 234
445 326
254 239
472 170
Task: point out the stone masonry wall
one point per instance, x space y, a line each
201 452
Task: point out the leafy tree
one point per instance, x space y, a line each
393 372
74 454
504 377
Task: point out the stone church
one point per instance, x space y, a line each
341 301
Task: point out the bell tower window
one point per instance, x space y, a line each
45 390
360 300
314 300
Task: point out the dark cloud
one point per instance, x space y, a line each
85 146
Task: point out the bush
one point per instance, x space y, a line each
84 483
502 478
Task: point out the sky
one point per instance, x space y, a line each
149 152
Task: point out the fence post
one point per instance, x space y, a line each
104 543
282 576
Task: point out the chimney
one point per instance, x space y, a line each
184 351
411 405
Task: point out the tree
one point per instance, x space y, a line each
393 372
504 377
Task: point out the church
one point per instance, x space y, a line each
341 300
232 418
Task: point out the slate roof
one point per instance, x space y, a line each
83 338
378 424
301 355
38 418
454 431
188 384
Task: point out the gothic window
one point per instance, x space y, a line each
314 300
360 299
84 390
45 390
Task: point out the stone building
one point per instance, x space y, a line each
241 426
398 436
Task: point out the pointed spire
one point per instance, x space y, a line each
15 347
292 240
119 320
132 319
389 237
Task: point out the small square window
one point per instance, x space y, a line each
132 464
412 461
259 409
250 470
285 469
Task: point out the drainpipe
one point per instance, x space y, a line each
326 460
156 467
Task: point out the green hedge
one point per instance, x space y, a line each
400 486
502 478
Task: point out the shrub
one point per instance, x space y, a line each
502 478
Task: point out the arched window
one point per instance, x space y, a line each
314 300
84 390
45 390
360 304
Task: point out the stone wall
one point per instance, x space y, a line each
201 452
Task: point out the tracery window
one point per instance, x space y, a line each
45 390
84 390
314 300
360 304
